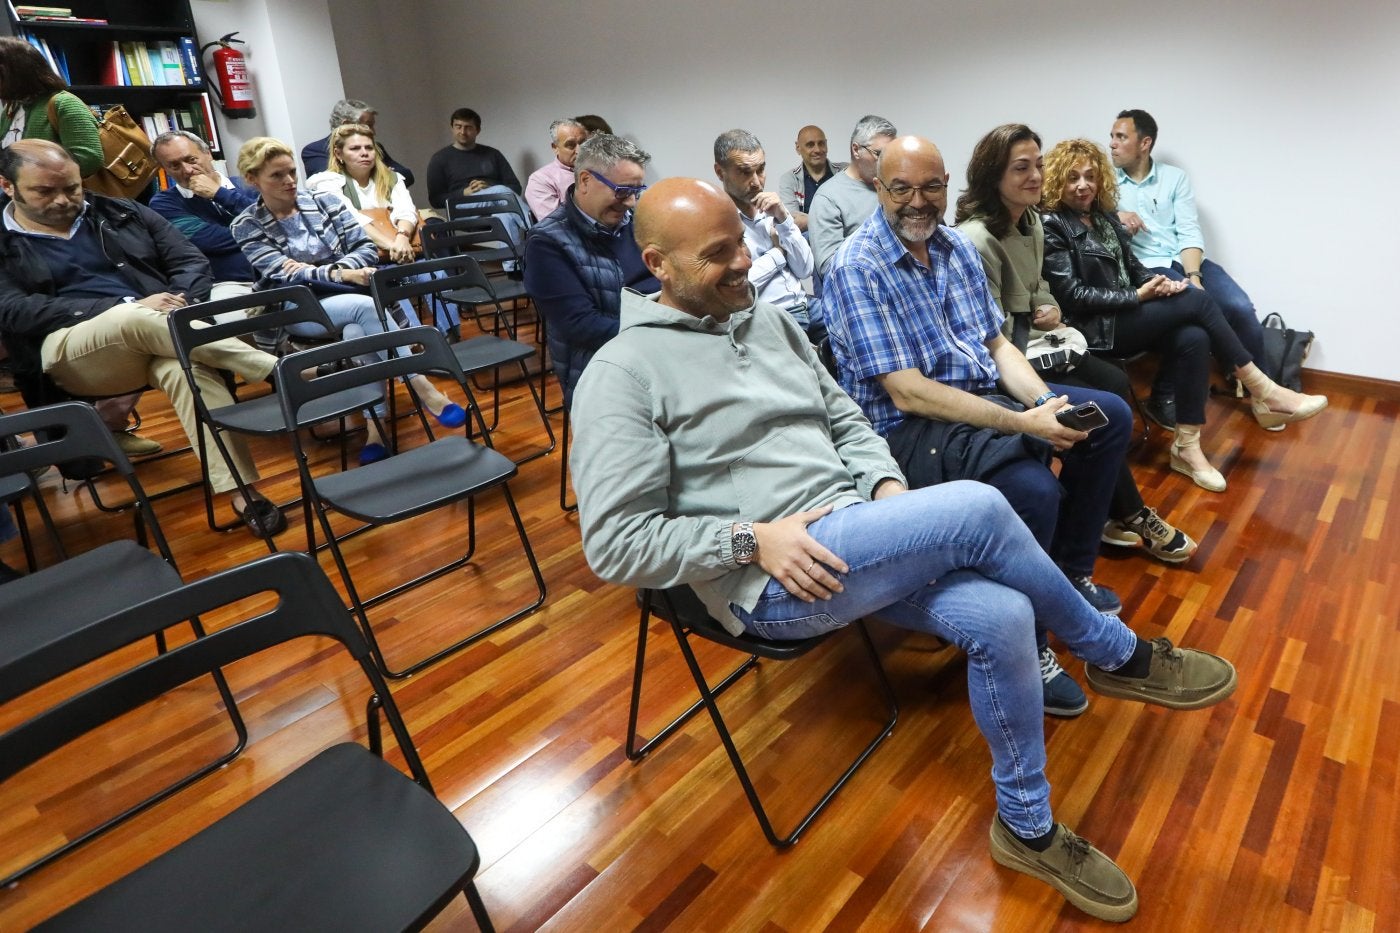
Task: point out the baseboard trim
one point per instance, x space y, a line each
1320 380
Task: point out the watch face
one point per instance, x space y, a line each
744 545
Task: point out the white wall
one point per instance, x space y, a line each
1284 114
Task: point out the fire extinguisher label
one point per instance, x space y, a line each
241 94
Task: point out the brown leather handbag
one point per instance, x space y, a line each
127 163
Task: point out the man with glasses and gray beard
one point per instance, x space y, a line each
917 336
781 256
580 258
842 204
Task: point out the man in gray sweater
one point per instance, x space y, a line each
714 450
842 204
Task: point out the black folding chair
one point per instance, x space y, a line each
194 326
448 275
409 482
59 618
485 239
345 842
688 618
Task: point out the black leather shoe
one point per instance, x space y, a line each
1161 410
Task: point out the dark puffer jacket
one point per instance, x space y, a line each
143 247
575 273
1083 275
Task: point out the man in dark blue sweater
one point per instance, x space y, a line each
202 205
580 258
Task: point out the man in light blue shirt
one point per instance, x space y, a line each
1158 207
781 256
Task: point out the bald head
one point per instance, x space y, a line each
36 152
913 189
811 146
674 206
693 242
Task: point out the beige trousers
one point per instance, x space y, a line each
129 346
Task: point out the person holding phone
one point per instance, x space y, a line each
1122 307
998 214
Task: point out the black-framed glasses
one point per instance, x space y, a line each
874 153
901 193
621 192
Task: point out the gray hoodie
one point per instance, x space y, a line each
685 425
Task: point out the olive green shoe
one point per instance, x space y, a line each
1086 877
1177 678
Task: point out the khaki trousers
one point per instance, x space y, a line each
128 346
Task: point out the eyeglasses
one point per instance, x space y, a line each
874 153
621 192
901 193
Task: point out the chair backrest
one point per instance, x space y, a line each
307 604
409 351
391 284
193 326
484 237
62 432
483 205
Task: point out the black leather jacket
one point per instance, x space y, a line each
1083 276
146 250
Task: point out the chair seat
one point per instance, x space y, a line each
415 481
54 613
481 353
263 415
346 842
696 617
505 290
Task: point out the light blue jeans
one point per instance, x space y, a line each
354 316
955 561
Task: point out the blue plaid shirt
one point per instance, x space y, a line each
886 312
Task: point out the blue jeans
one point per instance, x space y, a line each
1234 304
354 316
953 560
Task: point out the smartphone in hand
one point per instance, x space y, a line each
1083 417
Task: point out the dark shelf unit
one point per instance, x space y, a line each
87 49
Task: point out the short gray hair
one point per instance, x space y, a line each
571 124
348 110
870 126
170 136
735 141
602 152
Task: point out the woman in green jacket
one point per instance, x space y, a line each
27 84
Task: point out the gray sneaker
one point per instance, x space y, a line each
1178 678
1085 876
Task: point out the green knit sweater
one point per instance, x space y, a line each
77 129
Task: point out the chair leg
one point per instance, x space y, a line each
483 919
564 467
635 752
709 698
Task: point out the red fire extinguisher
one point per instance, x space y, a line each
235 89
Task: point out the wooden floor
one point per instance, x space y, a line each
1274 811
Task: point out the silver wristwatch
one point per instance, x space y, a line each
743 544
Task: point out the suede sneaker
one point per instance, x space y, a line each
1177 678
1100 597
1085 876
1118 534
1167 544
1063 697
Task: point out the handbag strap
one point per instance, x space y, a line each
1020 330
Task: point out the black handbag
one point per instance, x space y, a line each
1285 349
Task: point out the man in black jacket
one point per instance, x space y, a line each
85 283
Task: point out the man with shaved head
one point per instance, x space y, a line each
714 450
917 336
85 284
797 187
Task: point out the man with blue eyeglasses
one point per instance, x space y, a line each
580 258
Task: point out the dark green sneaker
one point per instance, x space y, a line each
1085 876
1178 678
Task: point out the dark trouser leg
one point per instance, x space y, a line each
1094 373
1091 469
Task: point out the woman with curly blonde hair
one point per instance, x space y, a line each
1119 306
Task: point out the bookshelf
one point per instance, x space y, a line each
142 54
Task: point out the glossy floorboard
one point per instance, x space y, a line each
1275 811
